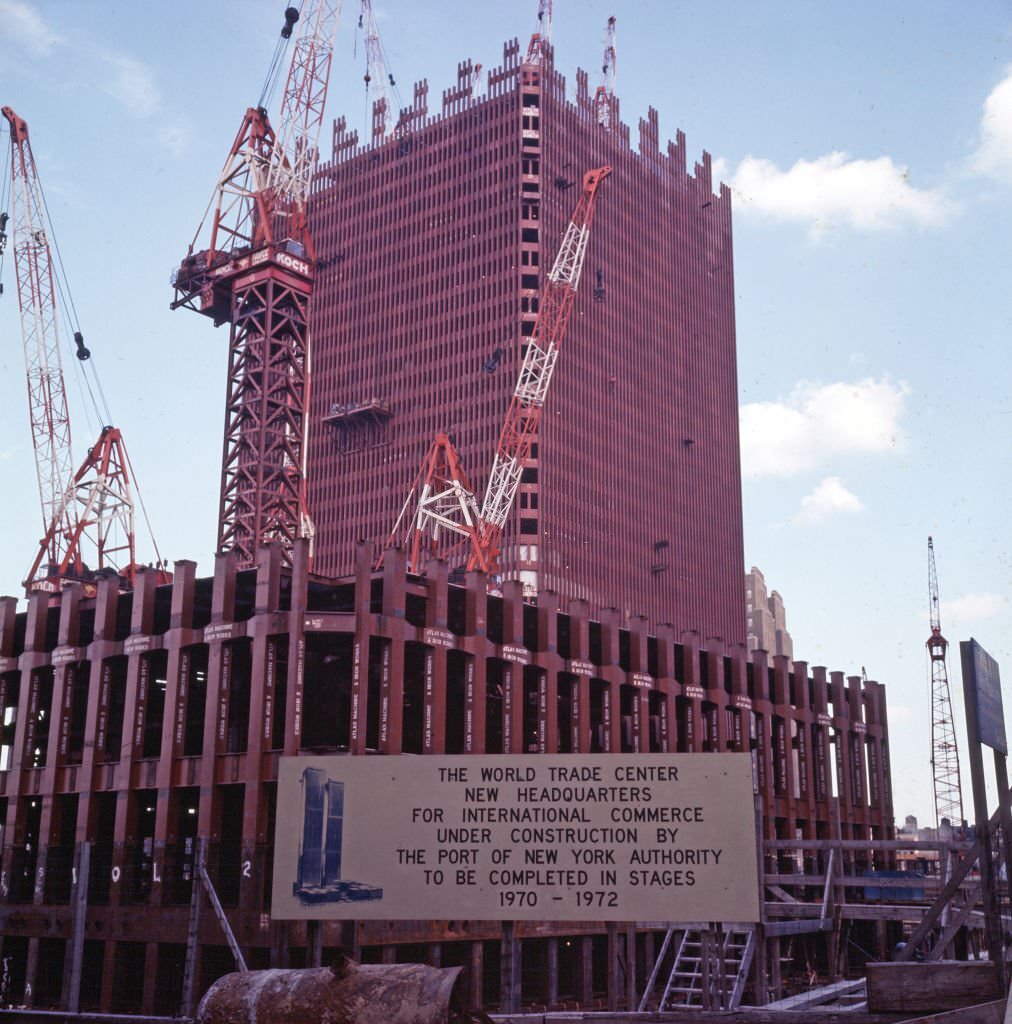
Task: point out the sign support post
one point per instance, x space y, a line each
985 724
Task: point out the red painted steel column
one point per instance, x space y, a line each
179 635
513 671
360 654
436 599
294 684
392 619
266 621
715 692
692 692
666 677
642 682
548 659
580 665
611 673
476 633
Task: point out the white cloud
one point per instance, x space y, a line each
828 499
832 190
27 27
973 607
174 135
819 421
132 85
900 713
993 155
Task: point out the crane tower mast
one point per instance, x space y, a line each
256 273
944 751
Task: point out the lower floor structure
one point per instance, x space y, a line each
140 736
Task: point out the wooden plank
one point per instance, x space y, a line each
798 927
781 894
982 1013
930 987
817 996
826 845
851 881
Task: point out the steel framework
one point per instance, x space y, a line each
944 750
99 502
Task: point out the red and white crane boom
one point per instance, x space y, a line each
379 81
40 335
521 426
609 66
442 500
90 512
535 48
256 273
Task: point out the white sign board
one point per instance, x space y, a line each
608 837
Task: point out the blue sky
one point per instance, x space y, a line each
869 147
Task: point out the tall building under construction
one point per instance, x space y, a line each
142 725
433 249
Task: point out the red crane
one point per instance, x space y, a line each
441 500
379 81
944 751
256 273
609 65
535 48
91 511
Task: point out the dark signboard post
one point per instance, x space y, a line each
985 724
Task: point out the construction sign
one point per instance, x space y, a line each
612 837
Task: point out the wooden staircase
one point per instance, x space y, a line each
710 968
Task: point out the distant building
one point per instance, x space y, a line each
767 620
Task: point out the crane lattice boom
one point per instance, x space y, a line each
609 66
40 335
93 508
944 750
295 153
521 426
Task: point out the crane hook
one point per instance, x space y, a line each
83 352
291 17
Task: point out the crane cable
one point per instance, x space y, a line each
365 30
271 81
5 195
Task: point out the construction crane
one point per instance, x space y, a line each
944 752
535 48
442 505
256 272
380 84
605 93
89 512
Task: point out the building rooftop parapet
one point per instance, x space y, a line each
502 80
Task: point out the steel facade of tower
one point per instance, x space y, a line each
432 250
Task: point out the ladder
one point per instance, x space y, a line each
719 960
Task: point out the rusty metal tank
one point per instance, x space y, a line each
345 993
